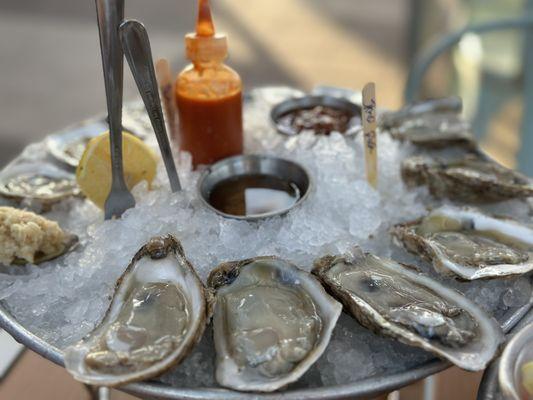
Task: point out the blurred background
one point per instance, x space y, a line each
51 77
51 71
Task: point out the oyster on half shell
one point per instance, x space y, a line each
435 130
392 300
271 322
445 105
37 182
158 313
469 179
468 243
67 146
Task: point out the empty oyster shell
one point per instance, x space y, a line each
392 300
468 243
158 313
470 179
42 183
271 322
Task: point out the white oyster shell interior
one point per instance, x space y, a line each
271 323
475 245
156 315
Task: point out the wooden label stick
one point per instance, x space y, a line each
369 128
164 79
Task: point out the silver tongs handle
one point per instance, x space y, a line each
110 13
136 47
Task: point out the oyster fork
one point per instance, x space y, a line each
136 48
110 13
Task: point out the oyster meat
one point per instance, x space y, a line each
468 243
271 322
158 313
392 300
26 237
39 182
469 179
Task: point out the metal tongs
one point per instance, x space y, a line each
110 13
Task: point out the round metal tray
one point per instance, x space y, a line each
369 387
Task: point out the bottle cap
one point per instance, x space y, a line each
206 48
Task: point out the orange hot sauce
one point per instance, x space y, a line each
208 96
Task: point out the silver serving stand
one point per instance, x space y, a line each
364 388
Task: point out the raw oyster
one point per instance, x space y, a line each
271 322
469 179
435 130
68 145
43 183
393 300
158 313
26 237
468 243
445 105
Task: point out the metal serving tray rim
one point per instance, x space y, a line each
367 387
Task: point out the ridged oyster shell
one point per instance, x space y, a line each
468 243
434 123
435 131
392 300
158 313
445 105
469 179
68 145
271 322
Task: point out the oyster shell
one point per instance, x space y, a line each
158 313
36 182
435 130
271 322
68 145
468 243
393 300
445 105
469 179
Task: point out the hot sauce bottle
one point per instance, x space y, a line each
208 96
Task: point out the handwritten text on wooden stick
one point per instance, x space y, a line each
369 128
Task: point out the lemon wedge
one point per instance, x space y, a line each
94 169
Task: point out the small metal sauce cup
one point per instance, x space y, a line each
311 101
243 165
518 351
